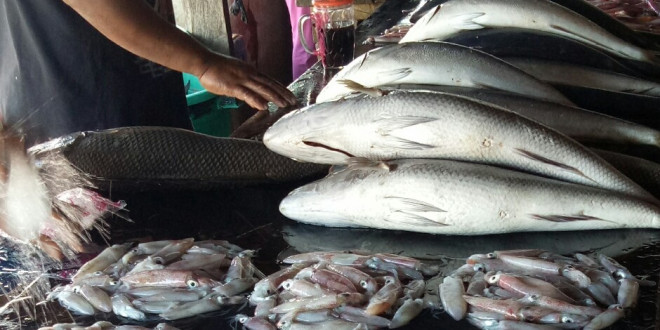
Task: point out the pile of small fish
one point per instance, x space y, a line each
104 325
171 279
336 290
525 289
442 137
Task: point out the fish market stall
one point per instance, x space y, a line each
255 212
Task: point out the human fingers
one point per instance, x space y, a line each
251 97
278 88
268 92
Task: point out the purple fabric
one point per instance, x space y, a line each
300 59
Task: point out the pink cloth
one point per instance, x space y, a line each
300 59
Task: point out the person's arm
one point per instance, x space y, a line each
133 25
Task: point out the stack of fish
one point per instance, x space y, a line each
104 325
161 280
504 289
336 290
445 138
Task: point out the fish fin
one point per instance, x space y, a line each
548 161
354 162
566 218
390 142
390 76
466 21
357 87
407 210
389 124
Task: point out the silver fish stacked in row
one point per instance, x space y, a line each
537 289
409 152
337 290
169 280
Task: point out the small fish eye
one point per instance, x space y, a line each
566 319
479 267
491 255
98 273
192 283
364 284
113 282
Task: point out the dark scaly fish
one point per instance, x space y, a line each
161 157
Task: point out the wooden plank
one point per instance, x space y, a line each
207 21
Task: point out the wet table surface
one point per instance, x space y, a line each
249 217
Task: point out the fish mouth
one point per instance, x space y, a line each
321 145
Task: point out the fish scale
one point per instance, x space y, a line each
450 197
407 124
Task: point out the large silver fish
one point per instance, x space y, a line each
555 72
436 63
406 124
541 15
449 197
580 124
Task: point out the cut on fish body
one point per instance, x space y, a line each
475 199
459 15
433 125
436 63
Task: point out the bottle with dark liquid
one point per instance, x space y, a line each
334 23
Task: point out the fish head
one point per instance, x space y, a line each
307 136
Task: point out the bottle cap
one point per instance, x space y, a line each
331 3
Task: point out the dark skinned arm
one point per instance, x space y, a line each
136 27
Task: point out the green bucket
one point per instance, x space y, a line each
210 114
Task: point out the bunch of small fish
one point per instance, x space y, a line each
104 325
171 279
537 289
336 290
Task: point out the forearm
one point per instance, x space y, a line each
136 27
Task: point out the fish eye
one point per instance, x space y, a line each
287 285
113 282
159 261
192 284
364 284
491 256
493 279
76 289
479 267
567 319
98 273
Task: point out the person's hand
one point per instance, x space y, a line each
232 77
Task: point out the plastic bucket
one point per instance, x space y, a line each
210 114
